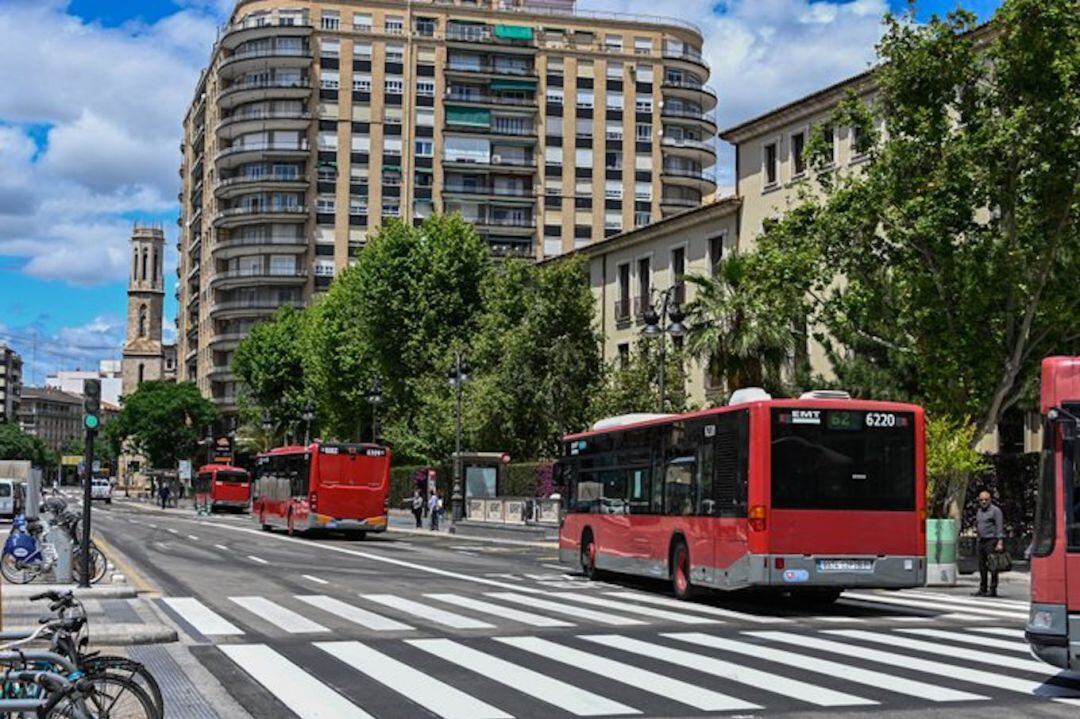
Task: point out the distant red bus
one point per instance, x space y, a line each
1053 628
220 486
807 496
341 487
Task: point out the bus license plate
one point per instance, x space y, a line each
845 565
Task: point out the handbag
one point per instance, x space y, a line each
999 562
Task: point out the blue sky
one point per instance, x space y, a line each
95 92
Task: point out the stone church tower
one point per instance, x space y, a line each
144 356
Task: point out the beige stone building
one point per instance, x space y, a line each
53 416
628 271
547 127
143 357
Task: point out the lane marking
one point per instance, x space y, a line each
982 641
558 608
1000 631
222 547
258 560
424 611
924 604
1000 602
193 537
356 615
697 607
858 675
565 696
305 695
641 679
636 609
311 578
776 683
971 655
279 616
478 605
430 694
205 620
170 530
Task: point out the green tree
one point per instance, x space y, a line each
635 386
945 267
951 461
17 444
162 421
537 358
270 365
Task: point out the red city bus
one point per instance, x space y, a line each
809 496
1053 628
222 486
343 487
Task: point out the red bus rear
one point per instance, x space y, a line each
809 496
1053 628
221 486
341 487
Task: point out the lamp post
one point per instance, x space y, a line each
308 415
268 427
655 327
458 376
375 398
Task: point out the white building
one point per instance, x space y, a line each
71 381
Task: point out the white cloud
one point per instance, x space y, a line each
80 346
110 103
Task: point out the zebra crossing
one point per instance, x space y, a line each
665 674
501 611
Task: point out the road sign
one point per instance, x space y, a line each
70 460
185 470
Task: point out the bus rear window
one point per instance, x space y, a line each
843 459
232 476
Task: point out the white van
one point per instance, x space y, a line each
101 488
7 497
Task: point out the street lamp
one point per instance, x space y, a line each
308 415
268 427
655 327
458 376
375 398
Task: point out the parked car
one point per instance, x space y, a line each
101 489
8 499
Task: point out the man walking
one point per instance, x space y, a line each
989 538
418 506
163 493
435 507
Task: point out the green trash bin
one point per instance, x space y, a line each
941 551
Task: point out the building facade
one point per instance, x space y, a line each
10 383
51 415
547 128
71 381
143 353
628 270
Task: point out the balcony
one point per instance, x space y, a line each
232 36
228 247
622 310
221 372
483 98
687 176
504 35
642 304
495 128
485 190
251 152
504 225
241 93
699 150
226 340
698 117
679 203
489 68
687 56
234 216
244 184
689 90
234 309
261 277
501 163
256 121
246 61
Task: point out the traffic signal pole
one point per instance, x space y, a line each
91 421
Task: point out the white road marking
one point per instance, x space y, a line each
559 608
945 650
259 560
631 608
697 607
423 611
1000 631
767 681
311 578
205 620
305 695
924 604
990 602
170 530
193 537
514 577
279 616
978 640
539 686
356 615
478 605
641 679
858 675
222 547
431 694
940 669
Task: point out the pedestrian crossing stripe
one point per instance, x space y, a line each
928 604
982 641
558 608
953 652
282 618
629 608
201 618
356 615
528 618
696 607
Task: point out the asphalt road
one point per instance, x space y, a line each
401 625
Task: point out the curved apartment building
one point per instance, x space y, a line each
546 126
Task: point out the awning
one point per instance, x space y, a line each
513 32
468 116
513 84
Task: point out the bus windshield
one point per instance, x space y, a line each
223 476
843 459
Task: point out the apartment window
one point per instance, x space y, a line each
798 161
425 148
425 117
329 79
716 252
622 311
331 20
583 127
555 66
643 104
769 164
614 101
554 127
362 50
361 83
613 190
612 220
426 26
328 141
643 45
425 87
583 158
362 22
553 155
641 219
613 43
391 208
613 160
585 68
585 99
643 162
615 70
643 191
392 146
329 47
856 141
613 131
830 137
555 95
395 53
394 85
325 204
644 280
643 132
394 25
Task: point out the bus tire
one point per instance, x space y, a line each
588 556
262 521
680 570
291 529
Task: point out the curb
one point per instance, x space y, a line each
116 635
25 591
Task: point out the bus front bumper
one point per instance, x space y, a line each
1048 632
324 521
847 571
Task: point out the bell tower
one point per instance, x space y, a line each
143 353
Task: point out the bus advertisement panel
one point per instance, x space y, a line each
1053 628
808 496
222 486
341 487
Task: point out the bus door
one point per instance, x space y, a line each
730 446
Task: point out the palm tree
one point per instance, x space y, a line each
735 330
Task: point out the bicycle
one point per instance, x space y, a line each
26 554
32 685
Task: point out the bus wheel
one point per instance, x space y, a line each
588 558
262 521
680 571
292 529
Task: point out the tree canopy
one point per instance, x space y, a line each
163 421
17 444
270 364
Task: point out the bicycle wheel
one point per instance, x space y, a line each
13 572
98 565
112 697
127 669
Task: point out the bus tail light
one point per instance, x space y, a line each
756 516
313 502
779 563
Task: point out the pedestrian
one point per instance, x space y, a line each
989 538
418 507
435 509
163 494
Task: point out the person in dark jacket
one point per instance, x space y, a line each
989 538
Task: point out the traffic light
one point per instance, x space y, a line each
92 404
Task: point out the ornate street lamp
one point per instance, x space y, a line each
268 428
308 415
375 398
458 376
655 327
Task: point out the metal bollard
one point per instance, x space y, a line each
60 540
